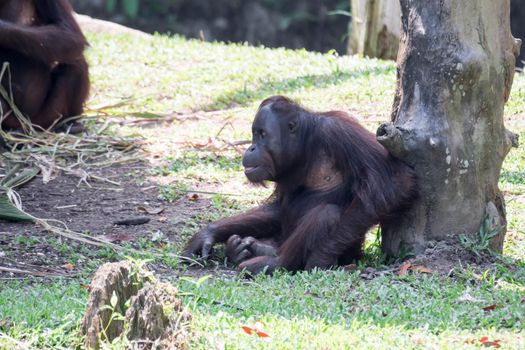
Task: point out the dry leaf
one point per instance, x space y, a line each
247 329
48 168
257 328
68 267
490 343
211 144
262 334
149 210
350 267
420 268
404 269
490 307
142 210
163 219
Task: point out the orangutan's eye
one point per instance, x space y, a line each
292 126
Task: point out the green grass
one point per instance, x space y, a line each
173 74
45 315
336 310
318 310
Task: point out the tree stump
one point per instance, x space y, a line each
127 302
455 70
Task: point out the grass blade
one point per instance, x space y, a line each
9 212
12 181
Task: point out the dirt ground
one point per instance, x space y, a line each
92 210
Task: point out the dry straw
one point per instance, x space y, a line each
34 150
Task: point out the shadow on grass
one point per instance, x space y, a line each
266 88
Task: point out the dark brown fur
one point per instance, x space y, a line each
333 182
44 47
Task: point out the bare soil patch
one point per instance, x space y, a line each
443 257
91 210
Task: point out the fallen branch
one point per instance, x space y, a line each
34 273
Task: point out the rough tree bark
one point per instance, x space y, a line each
151 315
376 28
455 70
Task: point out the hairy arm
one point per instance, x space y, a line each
260 222
58 41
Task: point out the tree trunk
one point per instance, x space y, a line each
455 70
376 28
